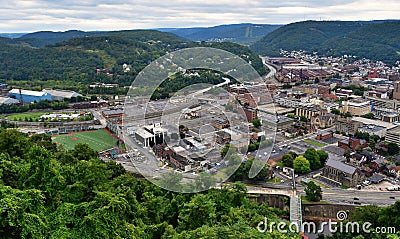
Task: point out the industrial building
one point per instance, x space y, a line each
8 101
150 135
29 96
61 95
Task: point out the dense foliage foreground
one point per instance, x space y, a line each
47 192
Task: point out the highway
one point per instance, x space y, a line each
271 76
360 197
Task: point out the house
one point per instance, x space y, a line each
327 135
378 164
162 151
342 174
29 96
222 137
395 170
352 143
220 124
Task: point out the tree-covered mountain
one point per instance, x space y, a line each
99 58
245 33
44 38
377 40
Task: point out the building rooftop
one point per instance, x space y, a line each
341 166
396 129
27 92
371 128
62 93
144 133
374 122
113 112
8 100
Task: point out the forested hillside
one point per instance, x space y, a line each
51 193
72 64
376 40
43 38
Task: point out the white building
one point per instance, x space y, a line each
8 101
62 94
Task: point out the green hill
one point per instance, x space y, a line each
43 38
377 40
75 61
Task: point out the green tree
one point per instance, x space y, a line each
256 123
312 156
347 154
83 152
303 118
335 111
369 116
290 116
287 160
301 165
323 157
200 211
348 115
205 181
393 148
313 192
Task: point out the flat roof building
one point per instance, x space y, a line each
29 96
8 101
373 130
62 94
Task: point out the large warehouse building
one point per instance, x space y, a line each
29 96
8 101
61 95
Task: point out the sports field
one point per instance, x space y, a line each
98 140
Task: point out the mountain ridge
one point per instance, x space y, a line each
365 39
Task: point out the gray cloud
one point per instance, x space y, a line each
26 16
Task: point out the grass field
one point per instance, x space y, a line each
98 140
314 143
23 116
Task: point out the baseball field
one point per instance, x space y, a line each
98 140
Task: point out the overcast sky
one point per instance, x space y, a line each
61 15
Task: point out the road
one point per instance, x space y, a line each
363 197
272 72
195 94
